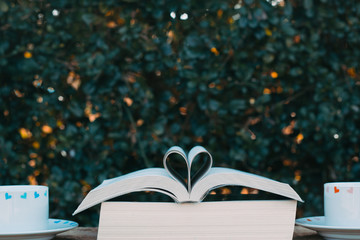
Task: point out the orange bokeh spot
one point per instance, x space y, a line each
128 101
268 32
274 74
267 91
27 54
214 51
46 129
183 111
299 138
297 39
351 72
36 145
25 133
111 24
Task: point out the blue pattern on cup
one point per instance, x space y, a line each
24 195
7 196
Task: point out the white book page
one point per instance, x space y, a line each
195 151
136 174
151 179
204 169
188 162
167 165
219 177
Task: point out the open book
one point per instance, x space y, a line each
190 188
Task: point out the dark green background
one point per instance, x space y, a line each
91 90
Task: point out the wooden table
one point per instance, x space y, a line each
83 233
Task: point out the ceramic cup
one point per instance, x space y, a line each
23 208
342 204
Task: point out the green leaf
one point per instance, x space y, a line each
214 105
3 6
88 18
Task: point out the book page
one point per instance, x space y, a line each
198 154
181 155
219 177
151 179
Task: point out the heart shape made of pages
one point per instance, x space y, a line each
187 169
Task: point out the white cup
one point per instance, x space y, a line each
23 208
342 204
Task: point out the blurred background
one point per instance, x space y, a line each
91 90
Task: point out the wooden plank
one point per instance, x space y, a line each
90 233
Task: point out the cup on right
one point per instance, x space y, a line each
342 204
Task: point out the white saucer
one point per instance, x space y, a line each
329 232
55 226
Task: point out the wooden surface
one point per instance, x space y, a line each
301 233
82 233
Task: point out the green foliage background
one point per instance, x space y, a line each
91 90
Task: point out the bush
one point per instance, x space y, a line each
94 89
